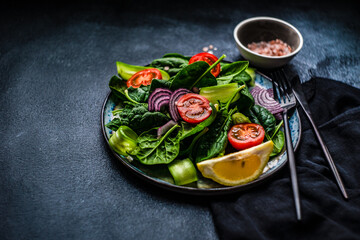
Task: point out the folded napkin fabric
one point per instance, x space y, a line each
267 211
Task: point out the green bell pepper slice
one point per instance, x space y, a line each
123 141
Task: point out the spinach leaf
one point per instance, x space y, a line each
138 118
118 87
188 150
191 129
278 140
223 64
157 83
246 100
173 61
173 71
206 81
230 71
247 76
152 119
177 55
277 128
140 94
260 115
114 124
190 74
152 150
214 141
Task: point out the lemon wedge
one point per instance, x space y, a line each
237 168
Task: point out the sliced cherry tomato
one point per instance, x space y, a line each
143 77
209 58
193 108
246 135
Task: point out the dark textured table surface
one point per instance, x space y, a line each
58 179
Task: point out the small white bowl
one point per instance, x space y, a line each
266 29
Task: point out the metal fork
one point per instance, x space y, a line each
287 101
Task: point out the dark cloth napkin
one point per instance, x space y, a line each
268 212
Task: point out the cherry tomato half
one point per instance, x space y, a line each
193 108
246 135
209 58
143 77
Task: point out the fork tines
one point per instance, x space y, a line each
287 98
284 95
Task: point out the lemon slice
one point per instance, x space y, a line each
237 168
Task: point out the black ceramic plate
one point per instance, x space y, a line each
160 176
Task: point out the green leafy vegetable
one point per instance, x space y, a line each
190 74
191 129
247 76
157 83
276 129
246 100
230 71
140 94
118 87
223 64
196 74
279 141
152 150
138 118
177 55
260 115
187 152
114 124
171 63
214 141
200 79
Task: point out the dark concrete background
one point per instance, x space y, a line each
58 180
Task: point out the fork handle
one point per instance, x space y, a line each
328 158
291 157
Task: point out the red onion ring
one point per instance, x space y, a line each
265 98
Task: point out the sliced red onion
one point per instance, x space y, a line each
265 98
161 103
159 93
163 129
172 104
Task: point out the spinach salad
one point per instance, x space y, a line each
180 111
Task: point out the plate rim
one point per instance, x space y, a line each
190 190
